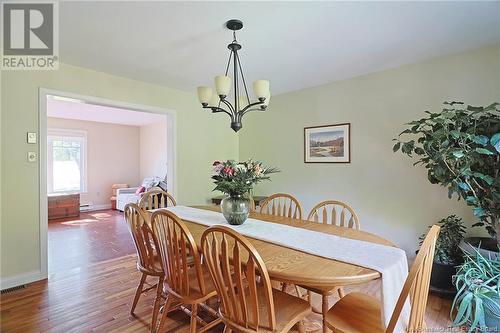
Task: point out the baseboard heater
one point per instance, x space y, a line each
85 207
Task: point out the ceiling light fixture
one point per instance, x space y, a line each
242 104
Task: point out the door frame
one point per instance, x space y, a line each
43 93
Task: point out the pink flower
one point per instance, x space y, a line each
217 168
229 171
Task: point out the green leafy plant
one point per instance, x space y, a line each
238 178
478 285
447 244
460 147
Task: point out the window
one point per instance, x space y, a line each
66 156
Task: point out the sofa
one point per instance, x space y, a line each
128 195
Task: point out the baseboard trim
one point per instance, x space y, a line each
18 280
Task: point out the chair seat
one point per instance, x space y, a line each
356 313
288 310
195 294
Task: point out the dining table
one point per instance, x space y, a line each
300 268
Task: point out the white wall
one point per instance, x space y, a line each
393 199
153 149
112 156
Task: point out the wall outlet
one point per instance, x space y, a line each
32 156
31 137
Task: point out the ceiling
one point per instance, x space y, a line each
67 109
293 44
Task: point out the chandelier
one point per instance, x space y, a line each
219 102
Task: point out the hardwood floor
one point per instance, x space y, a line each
93 237
93 279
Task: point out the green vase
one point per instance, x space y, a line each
235 208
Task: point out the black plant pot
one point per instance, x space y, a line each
442 279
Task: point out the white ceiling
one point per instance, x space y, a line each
78 110
293 44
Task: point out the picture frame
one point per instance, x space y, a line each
327 143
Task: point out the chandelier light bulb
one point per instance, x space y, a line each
222 85
204 95
261 88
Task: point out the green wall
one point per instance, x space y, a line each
392 198
201 139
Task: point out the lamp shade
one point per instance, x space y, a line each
222 84
215 100
261 88
204 94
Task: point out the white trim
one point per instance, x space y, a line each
18 280
42 130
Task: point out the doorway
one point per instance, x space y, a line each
73 130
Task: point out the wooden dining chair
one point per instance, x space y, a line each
148 262
336 213
248 302
156 198
282 204
357 312
187 280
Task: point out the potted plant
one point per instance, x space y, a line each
236 179
477 302
447 254
460 147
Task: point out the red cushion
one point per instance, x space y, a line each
140 190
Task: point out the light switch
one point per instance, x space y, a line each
31 137
32 156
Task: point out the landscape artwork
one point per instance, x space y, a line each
327 144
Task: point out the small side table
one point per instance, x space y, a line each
256 199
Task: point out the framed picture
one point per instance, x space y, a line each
327 144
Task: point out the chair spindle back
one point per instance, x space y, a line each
336 213
176 245
145 242
282 204
417 285
240 276
156 198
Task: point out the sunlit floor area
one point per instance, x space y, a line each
93 237
92 281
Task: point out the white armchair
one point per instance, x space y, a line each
125 196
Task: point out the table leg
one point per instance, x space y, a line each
324 310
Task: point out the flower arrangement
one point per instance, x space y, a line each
238 178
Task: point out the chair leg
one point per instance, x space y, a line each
194 314
341 292
164 315
138 293
283 287
324 311
156 307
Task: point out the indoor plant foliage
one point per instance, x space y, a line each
460 148
447 244
478 297
447 255
236 179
